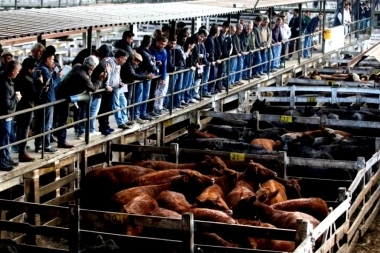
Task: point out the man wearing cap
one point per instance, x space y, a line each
6 57
46 91
8 102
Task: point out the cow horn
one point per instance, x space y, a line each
230 212
213 180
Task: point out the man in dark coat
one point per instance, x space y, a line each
8 102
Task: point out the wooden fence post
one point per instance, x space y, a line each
303 230
282 161
174 150
74 228
256 117
188 232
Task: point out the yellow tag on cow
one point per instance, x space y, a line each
330 82
286 119
239 157
311 99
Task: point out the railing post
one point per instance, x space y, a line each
292 96
188 232
256 117
174 150
282 161
87 133
74 228
43 132
303 230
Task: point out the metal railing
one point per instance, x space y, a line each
169 94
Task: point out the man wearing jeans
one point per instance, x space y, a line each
8 100
310 29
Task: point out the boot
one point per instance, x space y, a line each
25 158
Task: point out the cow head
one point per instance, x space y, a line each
258 172
192 127
258 105
216 204
293 189
216 163
265 195
243 208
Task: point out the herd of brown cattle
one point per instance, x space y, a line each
211 191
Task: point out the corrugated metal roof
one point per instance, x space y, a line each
17 24
21 23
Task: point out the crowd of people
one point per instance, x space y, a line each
130 76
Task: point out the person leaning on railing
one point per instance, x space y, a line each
24 83
76 82
8 102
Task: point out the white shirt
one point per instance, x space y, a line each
285 31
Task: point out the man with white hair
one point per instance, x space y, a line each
76 82
36 51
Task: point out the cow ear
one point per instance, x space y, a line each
274 194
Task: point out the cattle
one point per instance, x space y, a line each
163 212
224 131
173 201
228 122
123 197
315 207
242 189
100 185
8 246
257 173
167 176
267 144
292 187
214 196
204 167
142 204
273 133
271 192
264 243
250 209
206 214
193 132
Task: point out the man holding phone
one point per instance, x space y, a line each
8 102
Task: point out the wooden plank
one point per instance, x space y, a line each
57 184
343 248
362 214
312 82
334 238
33 208
252 231
137 220
40 230
10 183
95 150
64 198
175 135
322 163
370 219
340 70
357 58
359 199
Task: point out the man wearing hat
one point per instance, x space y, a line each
46 90
6 57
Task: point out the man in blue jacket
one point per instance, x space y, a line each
310 29
159 53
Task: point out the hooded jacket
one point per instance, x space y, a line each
160 55
8 99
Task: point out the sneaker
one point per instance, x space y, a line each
256 76
80 136
129 123
184 103
157 111
197 97
10 162
192 100
140 121
179 106
155 114
95 133
106 132
25 158
111 130
50 150
124 127
147 117
206 95
164 109
4 166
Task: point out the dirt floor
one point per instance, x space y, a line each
370 243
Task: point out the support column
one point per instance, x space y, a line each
98 41
89 39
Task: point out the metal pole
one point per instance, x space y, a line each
43 136
192 26
323 24
299 40
89 39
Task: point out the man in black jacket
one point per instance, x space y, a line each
8 102
225 43
210 49
147 66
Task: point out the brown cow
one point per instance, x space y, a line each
271 192
193 132
267 144
125 196
292 187
316 207
265 243
206 214
257 174
165 176
173 201
250 209
162 212
214 196
212 239
204 167
100 185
